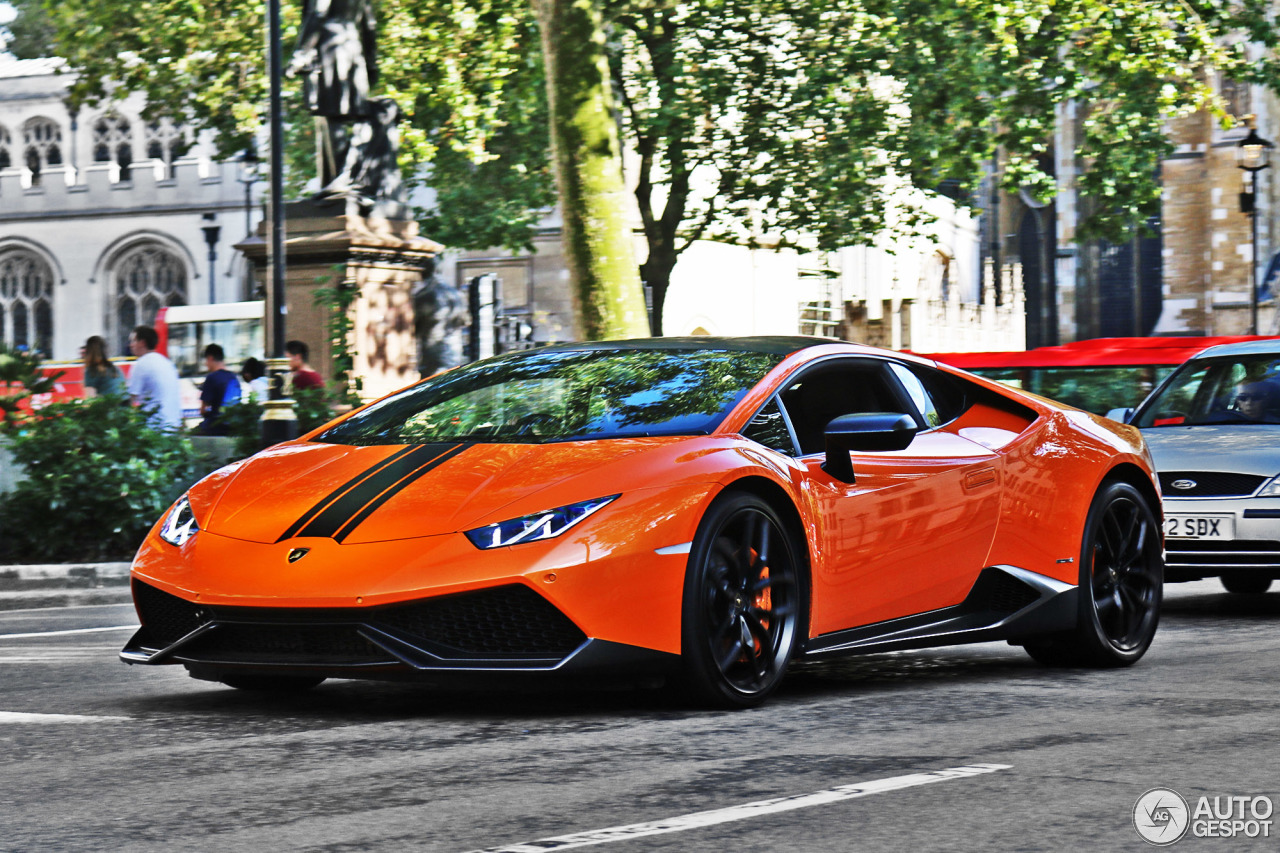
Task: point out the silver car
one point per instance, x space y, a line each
1214 431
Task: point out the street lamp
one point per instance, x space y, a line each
211 233
249 161
1252 154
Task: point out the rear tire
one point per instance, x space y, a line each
271 683
1246 584
1121 585
743 604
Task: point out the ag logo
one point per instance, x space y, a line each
1161 816
297 554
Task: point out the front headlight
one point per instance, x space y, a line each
531 528
1271 489
180 524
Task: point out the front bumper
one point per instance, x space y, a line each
503 629
1255 547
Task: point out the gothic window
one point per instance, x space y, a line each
147 278
42 146
5 142
166 140
113 142
26 301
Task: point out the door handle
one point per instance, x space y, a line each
981 477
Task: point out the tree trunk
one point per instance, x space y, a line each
593 198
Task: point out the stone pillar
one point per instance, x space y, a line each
383 259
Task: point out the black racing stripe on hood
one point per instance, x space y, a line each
395 489
349 504
337 493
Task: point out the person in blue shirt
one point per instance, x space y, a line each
221 388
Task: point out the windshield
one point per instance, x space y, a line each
1227 390
536 397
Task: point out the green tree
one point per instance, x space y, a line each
30 35
597 236
760 122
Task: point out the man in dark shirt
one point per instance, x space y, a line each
221 388
303 375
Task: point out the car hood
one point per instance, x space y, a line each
372 494
1238 448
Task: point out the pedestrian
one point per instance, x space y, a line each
101 377
254 374
303 376
221 388
153 381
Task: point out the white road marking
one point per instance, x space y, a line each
3 613
19 717
746 810
68 632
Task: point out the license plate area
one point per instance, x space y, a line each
1200 526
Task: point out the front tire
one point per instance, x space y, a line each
743 603
1121 585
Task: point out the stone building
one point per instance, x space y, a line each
1188 276
105 216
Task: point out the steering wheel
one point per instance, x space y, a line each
538 423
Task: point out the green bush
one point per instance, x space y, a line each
98 478
244 424
20 380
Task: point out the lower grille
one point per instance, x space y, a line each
1222 554
511 622
329 644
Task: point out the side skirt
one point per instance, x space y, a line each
1005 603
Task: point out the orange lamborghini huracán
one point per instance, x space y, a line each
706 509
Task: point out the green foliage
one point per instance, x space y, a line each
97 479
244 424
312 407
20 380
337 296
29 35
755 121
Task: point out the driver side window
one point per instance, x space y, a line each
835 388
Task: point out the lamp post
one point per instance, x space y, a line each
1252 154
249 161
211 233
278 420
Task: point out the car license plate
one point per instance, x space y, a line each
1200 526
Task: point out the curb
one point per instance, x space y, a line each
65 571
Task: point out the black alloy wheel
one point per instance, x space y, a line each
743 603
1121 585
1246 583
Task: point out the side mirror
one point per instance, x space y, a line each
865 433
1122 414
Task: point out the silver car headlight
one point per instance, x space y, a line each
532 528
180 524
1271 489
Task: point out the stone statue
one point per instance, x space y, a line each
440 316
356 137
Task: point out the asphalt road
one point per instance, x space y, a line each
98 756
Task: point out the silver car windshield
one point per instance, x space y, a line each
1226 390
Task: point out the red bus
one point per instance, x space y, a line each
1096 375
184 331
